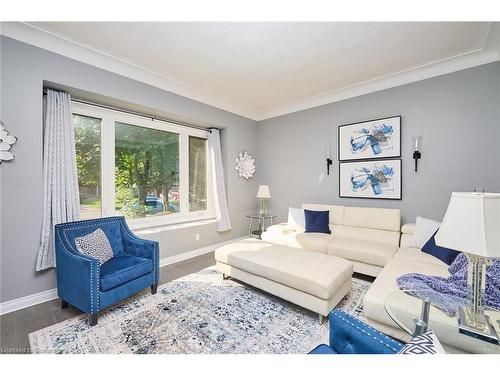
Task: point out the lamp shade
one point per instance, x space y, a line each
264 192
472 224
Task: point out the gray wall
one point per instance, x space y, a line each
23 70
457 116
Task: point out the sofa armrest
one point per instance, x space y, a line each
77 276
281 228
133 245
349 335
408 228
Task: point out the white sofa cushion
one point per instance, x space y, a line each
296 219
406 260
281 228
376 218
371 252
408 228
318 274
407 254
280 234
424 229
368 234
406 234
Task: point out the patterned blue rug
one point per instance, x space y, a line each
199 313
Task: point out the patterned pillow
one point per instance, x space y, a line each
426 343
95 245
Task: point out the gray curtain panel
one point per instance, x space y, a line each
219 185
60 180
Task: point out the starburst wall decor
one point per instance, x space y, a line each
245 165
6 142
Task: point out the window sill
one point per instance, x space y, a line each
148 228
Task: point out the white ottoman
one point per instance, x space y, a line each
313 280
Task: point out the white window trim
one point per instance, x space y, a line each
108 119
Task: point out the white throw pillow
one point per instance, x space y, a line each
426 343
424 229
95 245
296 219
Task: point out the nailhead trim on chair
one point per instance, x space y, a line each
92 223
89 224
70 253
365 328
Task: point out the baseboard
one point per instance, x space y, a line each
194 253
49 295
31 300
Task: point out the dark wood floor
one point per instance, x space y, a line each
15 326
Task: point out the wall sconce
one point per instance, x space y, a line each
329 160
416 151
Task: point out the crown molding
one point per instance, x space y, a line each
37 37
450 65
30 34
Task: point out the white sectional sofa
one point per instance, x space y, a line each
373 240
368 237
307 269
412 260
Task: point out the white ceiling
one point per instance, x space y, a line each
261 70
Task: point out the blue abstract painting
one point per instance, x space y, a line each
373 179
370 139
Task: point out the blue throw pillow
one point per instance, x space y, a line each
442 253
317 221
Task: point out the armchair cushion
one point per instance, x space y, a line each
122 269
95 245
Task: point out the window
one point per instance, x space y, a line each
146 171
151 172
88 164
197 174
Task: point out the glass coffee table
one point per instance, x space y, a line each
416 315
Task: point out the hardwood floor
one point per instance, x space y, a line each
15 326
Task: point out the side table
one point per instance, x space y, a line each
257 224
416 315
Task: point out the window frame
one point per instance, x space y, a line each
109 118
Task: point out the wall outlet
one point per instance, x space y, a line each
197 236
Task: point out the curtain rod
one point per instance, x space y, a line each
176 122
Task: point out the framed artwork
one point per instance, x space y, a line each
374 139
378 179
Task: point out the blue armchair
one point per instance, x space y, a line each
349 335
91 288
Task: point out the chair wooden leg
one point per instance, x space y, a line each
64 304
154 288
321 319
93 319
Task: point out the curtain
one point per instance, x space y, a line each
60 180
218 183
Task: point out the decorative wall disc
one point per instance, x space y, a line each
6 142
245 165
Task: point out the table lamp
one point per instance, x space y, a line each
472 225
264 195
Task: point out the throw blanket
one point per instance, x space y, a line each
448 293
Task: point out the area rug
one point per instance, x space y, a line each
199 313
